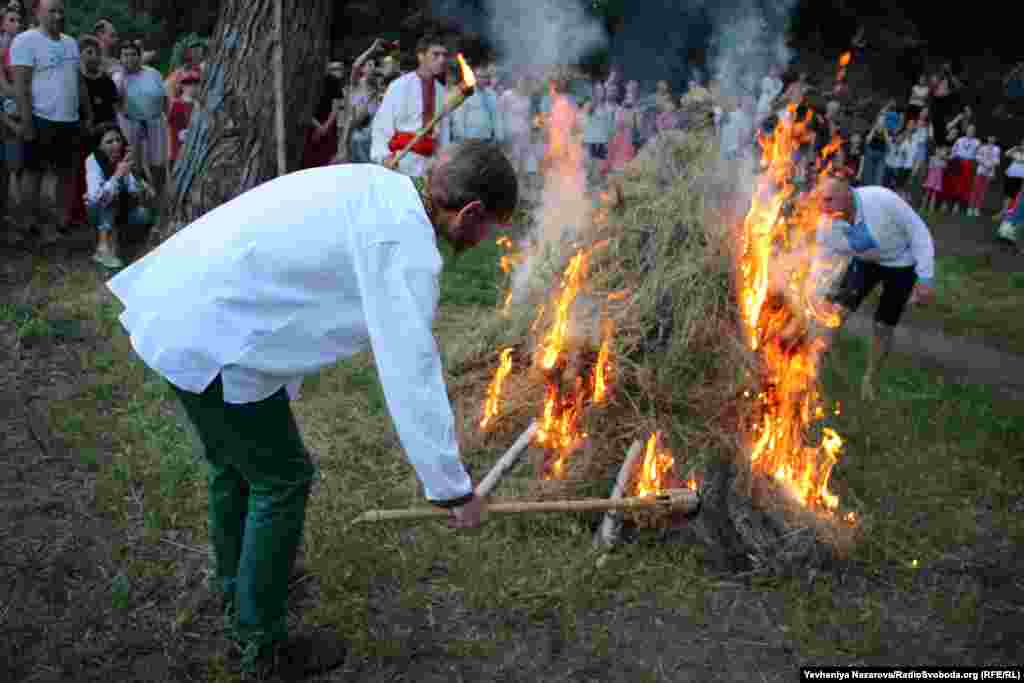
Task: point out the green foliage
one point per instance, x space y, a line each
82 15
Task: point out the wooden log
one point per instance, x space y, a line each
611 526
506 461
676 500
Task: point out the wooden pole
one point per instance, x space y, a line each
676 500
282 156
454 101
611 526
506 461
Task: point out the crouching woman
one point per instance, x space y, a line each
114 194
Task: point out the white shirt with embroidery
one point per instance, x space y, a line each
885 230
988 159
401 111
288 278
966 148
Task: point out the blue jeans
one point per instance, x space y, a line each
104 217
874 168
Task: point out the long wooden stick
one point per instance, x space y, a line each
282 157
454 101
677 500
506 461
611 526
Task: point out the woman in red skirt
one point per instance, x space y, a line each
322 135
958 182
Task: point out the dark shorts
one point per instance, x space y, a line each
56 146
597 150
862 277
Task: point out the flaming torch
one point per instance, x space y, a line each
455 99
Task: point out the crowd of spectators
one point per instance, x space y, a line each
92 112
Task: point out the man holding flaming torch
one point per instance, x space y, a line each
276 284
410 104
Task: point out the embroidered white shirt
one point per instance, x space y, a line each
401 111
885 230
292 276
966 148
988 159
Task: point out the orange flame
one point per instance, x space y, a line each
778 302
571 280
844 60
468 77
491 406
654 469
603 370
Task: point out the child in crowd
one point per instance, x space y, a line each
988 158
959 178
933 181
114 196
896 159
1014 177
180 115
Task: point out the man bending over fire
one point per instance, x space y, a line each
276 284
888 243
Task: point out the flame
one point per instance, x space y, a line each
571 280
491 406
604 364
468 77
619 295
654 469
844 60
778 303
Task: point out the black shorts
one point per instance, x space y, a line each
860 279
56 145
598 150
1011 186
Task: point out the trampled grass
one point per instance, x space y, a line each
915 466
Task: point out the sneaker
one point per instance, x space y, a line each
301 656
106 258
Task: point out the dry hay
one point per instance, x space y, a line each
680 364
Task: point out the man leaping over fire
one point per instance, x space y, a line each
888 243
278 283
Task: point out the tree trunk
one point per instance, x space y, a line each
231 145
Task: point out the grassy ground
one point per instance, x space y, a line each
933 469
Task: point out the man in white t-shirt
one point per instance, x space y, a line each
47 84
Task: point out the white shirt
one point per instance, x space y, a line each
478 117
1016 168
770 89
100 190
966 148
54 73
988 159
885 230
402 111
292 276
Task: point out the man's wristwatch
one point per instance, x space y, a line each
454 502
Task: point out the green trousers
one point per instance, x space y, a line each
259 481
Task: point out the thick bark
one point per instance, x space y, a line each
231 144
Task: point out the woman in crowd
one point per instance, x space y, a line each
959 179
621 149
1014 179
115 194
988 157
933 182
919 94
364 100
514 112
876 146
598 125
143 112
10 131
322 136
191 67
943 85
854 153
897 161
921 139
957 126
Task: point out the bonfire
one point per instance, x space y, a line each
657 320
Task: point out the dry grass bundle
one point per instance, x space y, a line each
676 348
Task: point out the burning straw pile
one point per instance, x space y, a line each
622 324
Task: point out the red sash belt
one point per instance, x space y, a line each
425 147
